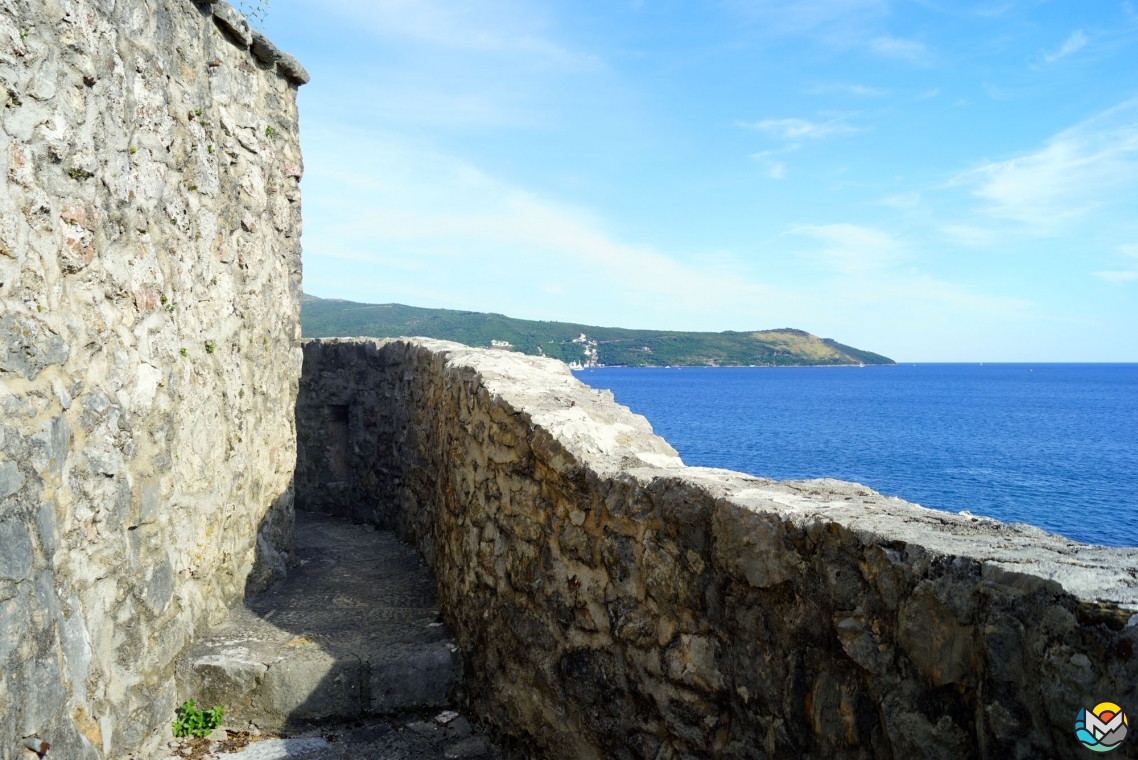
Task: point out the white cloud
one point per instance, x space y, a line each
843 24
969 235
395 222
876 271
853 249
798 16
465 239
774 169
902 201
1128 274
992 11
893 47
504 27
848 89
1073 44
789 129
1078 170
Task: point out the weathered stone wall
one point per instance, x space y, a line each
149 352
612 603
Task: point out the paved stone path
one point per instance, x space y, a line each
353 634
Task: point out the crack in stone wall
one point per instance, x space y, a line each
149 352
611 602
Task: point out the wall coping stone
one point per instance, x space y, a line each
608 438
232 21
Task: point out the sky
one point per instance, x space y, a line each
934 180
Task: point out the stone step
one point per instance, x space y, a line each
353 631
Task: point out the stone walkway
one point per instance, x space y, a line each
346 658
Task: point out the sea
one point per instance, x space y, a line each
1051 445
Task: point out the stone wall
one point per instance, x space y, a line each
149 352
611 602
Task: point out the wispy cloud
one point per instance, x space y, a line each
854 249
1129 271
894 47
1127 275
970 235
798 16
829 88
1073 44
486 242
793 129
843 24
993 11
773 168
902 201
884 268
501 27
1078 170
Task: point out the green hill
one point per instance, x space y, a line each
586 344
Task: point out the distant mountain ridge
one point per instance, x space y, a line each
577 344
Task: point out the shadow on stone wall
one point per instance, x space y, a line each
352 631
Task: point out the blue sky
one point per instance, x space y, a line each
936 181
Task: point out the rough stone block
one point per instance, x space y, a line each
231 20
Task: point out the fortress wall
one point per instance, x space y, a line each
612 603
149 352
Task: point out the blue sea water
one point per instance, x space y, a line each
1053 445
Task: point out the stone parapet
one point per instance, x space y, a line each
149 353
611 602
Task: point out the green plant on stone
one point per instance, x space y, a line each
182 351
194 722
210 346
269 131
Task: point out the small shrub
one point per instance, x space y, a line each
194 722
255 12
182 351
269 131
210 346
